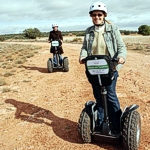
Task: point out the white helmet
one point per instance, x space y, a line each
98 6
54 25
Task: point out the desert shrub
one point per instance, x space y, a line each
76 40
19 37
80 34
19 66
16 52
22 69
139 47
30 55
126 32
20 54
6 89
19 61
9 67
2 82
10 59
35 52
14 65
7 74
3 67
13 70
21 50
5 63
67 41
8 56
2 38
26 81
147 47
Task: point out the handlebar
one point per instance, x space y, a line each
84 60
115 60
112 59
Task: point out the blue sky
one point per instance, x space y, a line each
17 15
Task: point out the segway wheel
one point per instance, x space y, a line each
49 66
84 127
66 65
131 131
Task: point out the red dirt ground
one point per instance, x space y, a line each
42 113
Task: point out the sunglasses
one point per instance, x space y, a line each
94 15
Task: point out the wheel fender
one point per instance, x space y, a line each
127 110
65 58
88 106
130 108
50 59
91 110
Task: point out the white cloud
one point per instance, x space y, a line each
15 16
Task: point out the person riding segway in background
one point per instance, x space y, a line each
56 35
107 40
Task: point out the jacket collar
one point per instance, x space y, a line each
107 27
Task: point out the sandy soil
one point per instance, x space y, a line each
42 113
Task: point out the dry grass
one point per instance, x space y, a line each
2 82
20 61
6 89
7 74
9 67
14 55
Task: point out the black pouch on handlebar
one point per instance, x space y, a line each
102 66
55 46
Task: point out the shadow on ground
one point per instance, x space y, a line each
42 70
63 128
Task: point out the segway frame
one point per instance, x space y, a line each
95 68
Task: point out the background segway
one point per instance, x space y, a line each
49 65
65 64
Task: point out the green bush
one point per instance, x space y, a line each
2 38
126 32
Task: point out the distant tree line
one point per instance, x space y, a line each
33 33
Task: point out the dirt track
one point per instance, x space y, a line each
42 113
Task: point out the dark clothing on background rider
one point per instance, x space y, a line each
53 36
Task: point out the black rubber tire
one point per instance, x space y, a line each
84 127
66 65
131 131
49 66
